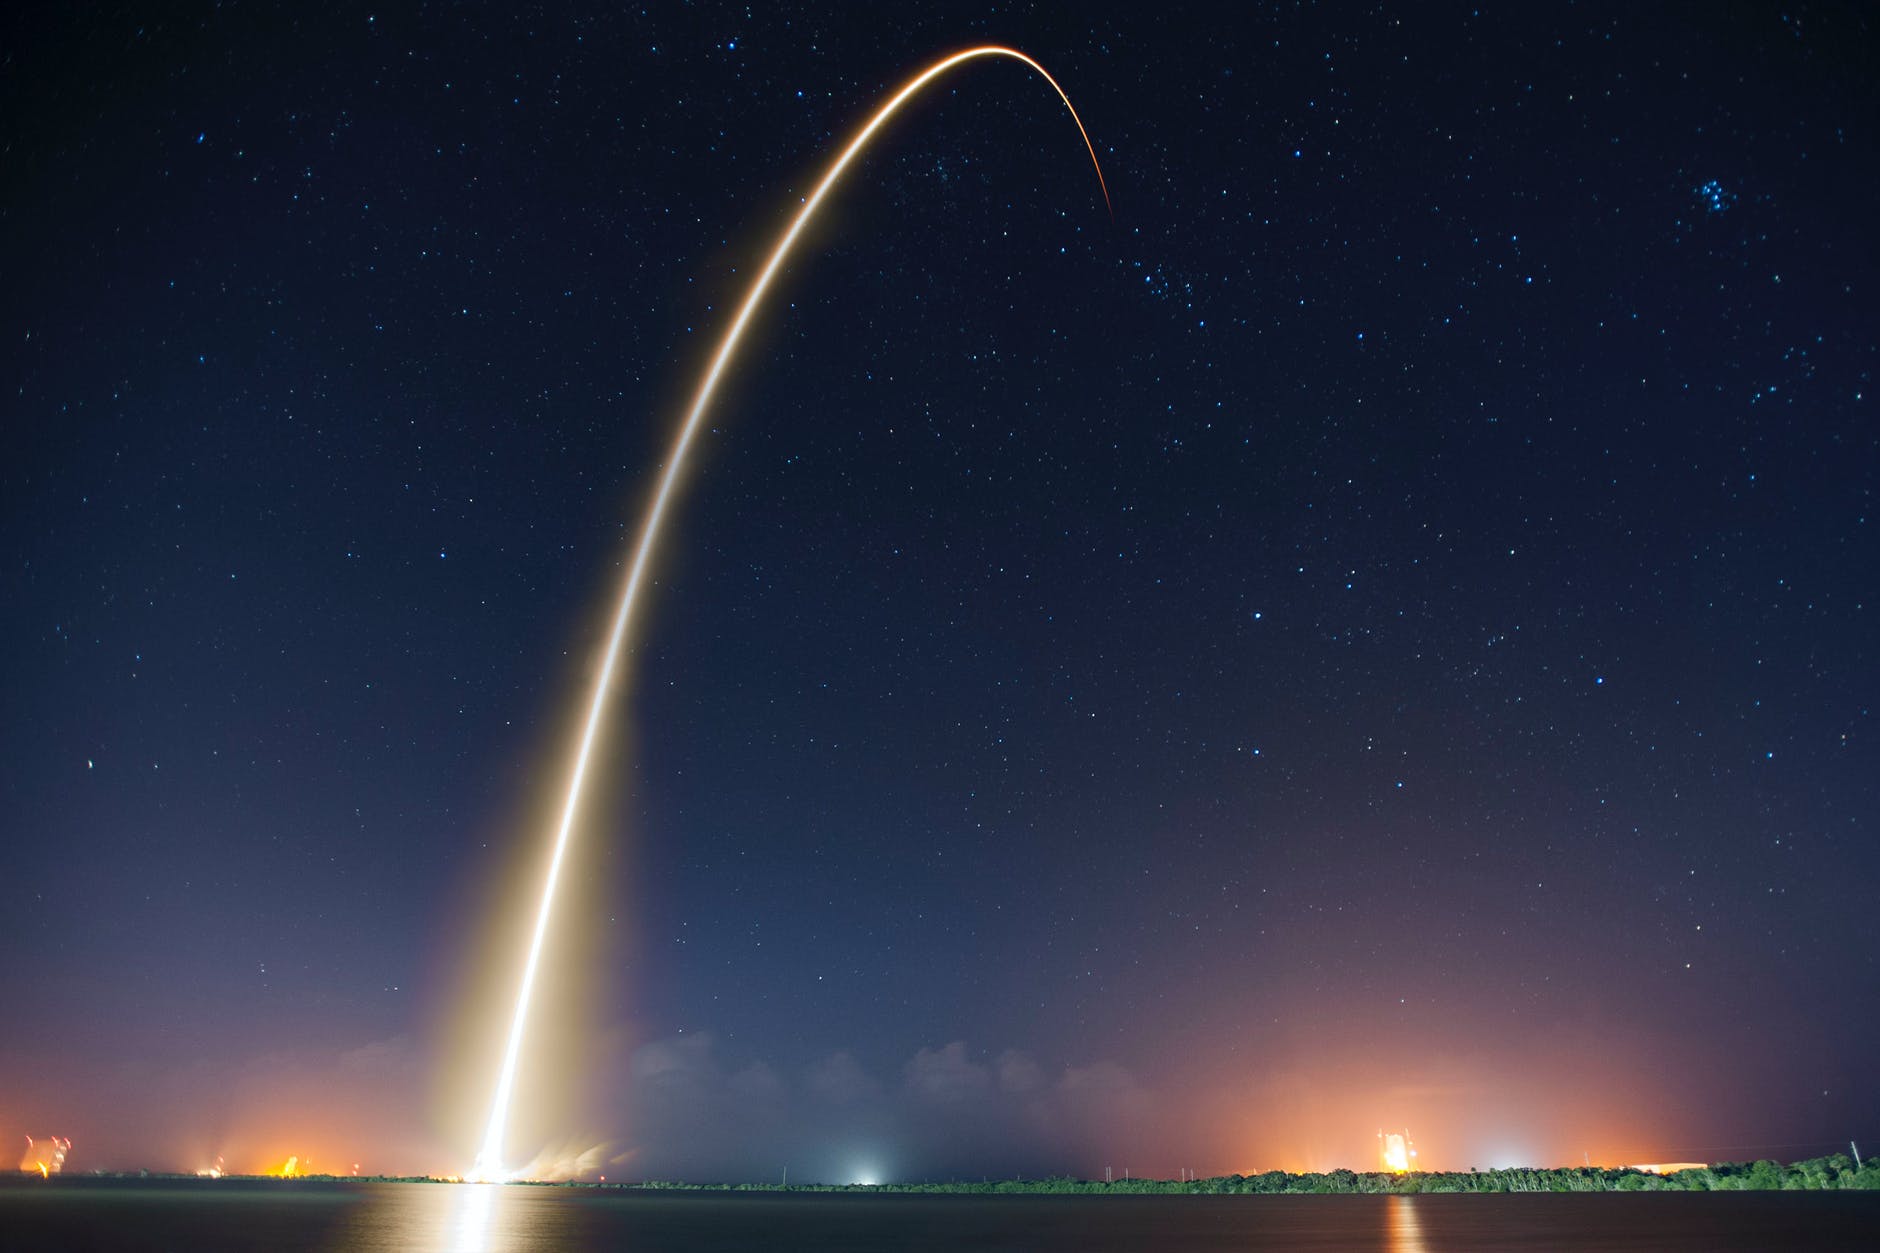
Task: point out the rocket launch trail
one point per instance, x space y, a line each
489 1157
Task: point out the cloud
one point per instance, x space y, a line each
757 1082
1018 1072
398 1055
1100 1081
331 1107
678 1062
573 1159
1104 1094
946 1076
840 1080
695 1111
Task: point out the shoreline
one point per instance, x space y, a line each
1835 1173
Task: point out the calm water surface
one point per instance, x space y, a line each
82 1214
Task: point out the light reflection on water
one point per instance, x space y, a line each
457 1218
470 1229
1402 1232
518 1218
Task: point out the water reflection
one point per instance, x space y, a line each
469 1230
1402 1232
454 1218
314 1216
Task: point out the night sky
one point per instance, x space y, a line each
1380 633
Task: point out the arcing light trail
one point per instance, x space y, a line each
489 1158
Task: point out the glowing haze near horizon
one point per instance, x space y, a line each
1378 637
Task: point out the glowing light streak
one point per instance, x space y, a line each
489 1158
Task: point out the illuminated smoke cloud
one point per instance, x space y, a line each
45 1157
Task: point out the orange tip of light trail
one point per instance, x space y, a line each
488 1165
999 50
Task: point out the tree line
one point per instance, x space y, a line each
1832 1173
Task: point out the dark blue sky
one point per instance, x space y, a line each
1380 632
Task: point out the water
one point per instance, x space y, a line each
313 1216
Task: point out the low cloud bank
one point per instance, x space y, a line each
950 1110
